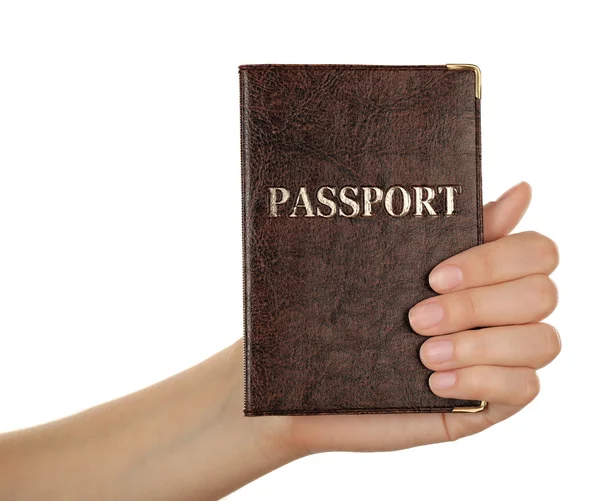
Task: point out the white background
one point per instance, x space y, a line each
120 263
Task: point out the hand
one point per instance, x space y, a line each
186 437
502 285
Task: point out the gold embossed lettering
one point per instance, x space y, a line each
302 201
360 201
389 201
421 202
371 195
322 199
349 201
274 201
450 190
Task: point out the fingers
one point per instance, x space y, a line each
503 260
528 299
514 386
503 286
530 345
501 217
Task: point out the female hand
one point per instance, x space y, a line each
186 437
502 286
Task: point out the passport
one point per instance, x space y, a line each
357 180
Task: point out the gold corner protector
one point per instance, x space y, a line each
471 410
470 67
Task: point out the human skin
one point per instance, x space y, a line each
186 438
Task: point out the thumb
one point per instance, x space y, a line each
501 216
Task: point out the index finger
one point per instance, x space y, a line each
503 260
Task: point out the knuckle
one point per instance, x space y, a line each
545 294
551 342
470 308
472 347
489 264
547 251
532 234
477 383
530 387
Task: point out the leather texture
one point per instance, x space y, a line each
326 300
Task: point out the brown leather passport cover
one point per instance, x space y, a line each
357 180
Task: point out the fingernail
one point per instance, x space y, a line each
508 193
425 315
442 380
446 278
437 351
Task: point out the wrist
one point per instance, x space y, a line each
272 435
